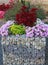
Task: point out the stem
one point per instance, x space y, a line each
23 2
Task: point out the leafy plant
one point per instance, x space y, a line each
40 14
40 11
10 14
16 29
5 7
26 17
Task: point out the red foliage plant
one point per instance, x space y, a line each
5 7
26 17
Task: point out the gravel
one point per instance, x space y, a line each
23 51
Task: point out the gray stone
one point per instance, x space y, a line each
23 51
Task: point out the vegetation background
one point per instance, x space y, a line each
43 3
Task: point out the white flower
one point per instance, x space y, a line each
39 21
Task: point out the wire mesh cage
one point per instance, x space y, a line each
23 51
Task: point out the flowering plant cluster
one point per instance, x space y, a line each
40 30
11 28
5 7
25 22
4 28
2 13
26 17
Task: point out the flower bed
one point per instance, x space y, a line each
4 7
23 36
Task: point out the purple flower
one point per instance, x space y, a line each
4 28
40 30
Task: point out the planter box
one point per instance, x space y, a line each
23 51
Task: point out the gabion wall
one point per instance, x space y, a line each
23 51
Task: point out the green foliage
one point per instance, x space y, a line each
40 11
10 14
16 29
23 2
40 14
27 4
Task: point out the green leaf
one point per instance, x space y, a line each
16 29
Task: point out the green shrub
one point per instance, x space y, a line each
10 14
41 14
40 11
16 29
